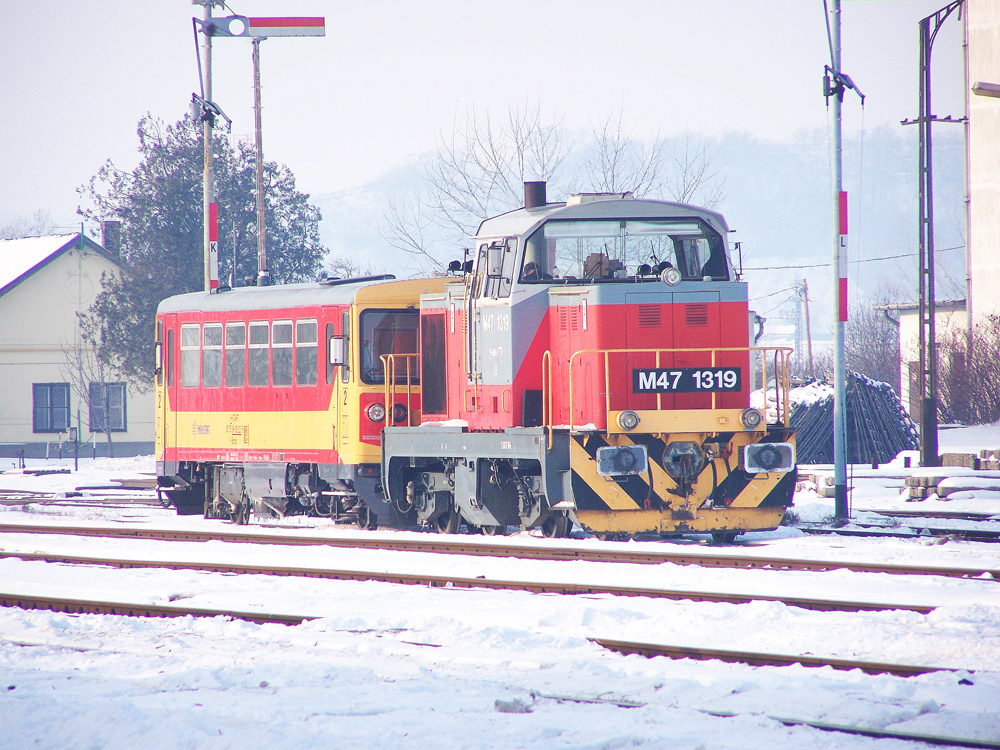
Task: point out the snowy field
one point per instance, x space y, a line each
389 666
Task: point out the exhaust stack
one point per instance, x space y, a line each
534 194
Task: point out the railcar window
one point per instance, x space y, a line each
211 355
306 359
190 360
260 351
345 332
605 250
386 332
236 354
281 352
170 357
330 369
159 352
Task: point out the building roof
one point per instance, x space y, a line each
23 257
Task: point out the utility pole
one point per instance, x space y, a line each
809 338
210 209
927 303
263 277
834 84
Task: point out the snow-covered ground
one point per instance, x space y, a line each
411 666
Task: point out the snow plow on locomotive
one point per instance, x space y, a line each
591 364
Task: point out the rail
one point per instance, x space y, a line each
781 370
389 375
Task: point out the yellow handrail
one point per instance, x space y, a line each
389 374
785 375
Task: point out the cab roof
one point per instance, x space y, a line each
523 221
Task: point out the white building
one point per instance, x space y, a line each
48 382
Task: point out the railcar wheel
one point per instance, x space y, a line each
556 527
366 519
494 530
724 537
448 522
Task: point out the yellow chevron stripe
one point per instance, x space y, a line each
607 489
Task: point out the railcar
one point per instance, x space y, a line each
591 363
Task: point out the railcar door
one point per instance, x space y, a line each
167 382
338 374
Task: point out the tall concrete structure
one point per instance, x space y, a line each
983 28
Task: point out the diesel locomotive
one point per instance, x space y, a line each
590 362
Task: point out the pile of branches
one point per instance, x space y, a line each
878 427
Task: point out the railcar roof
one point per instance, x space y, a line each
282 296
524 220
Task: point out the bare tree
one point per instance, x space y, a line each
479 168
616 162
347 268
872 337
406 226
969 373
83 368
478 171
693 176
38 225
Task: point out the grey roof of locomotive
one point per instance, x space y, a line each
522 221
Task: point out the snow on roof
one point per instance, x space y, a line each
19 258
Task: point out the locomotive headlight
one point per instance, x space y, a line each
670 276
399 413
376 412
763 458
751 418
628 420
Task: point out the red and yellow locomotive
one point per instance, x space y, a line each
591 363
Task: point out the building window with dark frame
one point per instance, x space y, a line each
107 407
50 407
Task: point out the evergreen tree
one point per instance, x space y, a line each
159 204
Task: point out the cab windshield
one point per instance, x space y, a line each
385 332
617 249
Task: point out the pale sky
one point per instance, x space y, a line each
389 76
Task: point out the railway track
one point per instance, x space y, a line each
437 580
73 605
472 547
907 532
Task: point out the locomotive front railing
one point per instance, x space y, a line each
782 376
412 362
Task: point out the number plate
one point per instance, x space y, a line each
687 380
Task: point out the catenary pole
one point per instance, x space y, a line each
841 510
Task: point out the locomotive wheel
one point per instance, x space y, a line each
448 522
366 519
240 515
556 527
494 530
612 536
724 537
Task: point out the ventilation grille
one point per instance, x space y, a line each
696 315
649 316
569 318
